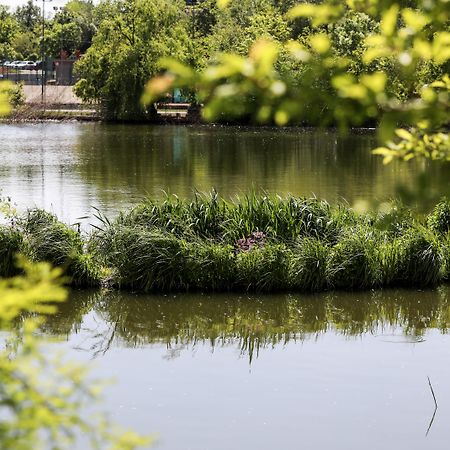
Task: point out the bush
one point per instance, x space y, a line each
307 266
15 95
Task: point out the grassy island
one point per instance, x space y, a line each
254 243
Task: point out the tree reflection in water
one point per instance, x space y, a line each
250 323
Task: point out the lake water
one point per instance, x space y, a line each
329 371
334 370
70 167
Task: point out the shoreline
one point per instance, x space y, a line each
53 115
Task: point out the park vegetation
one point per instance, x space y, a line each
354 63
255 243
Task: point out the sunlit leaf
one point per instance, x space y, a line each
157 87
320 43
389 20
404 134
414 19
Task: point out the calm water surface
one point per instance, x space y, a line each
331 371
336 370
68 168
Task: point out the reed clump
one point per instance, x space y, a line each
353 262
11 242
307 265
252 243
39 236
439 219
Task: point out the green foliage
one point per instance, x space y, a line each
280 218
352 262
131 39
307 271
439 219
239 25
259 243
49 240
43 399
263 269
16 96
9 29
360 69
5 105
144 259
415 259
63 37
10 244
28 16
210 266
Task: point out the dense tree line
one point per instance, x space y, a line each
123 42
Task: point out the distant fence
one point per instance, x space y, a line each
58 72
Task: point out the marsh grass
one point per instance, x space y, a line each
146 260
211 266
439 219
353 262
281 218
263 269
307 265
395 222
11 243
47 239
415 259
253 243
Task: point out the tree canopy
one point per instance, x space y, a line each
125 53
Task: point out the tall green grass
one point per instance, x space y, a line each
11 242
252 243
439 219
353 262
47 239
307 265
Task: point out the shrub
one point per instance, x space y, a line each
307 266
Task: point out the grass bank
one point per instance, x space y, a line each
255 243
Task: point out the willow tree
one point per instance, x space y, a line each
125 53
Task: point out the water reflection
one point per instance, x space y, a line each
232 160
68 168
250 322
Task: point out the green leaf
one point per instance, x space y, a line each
320 43
389 20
